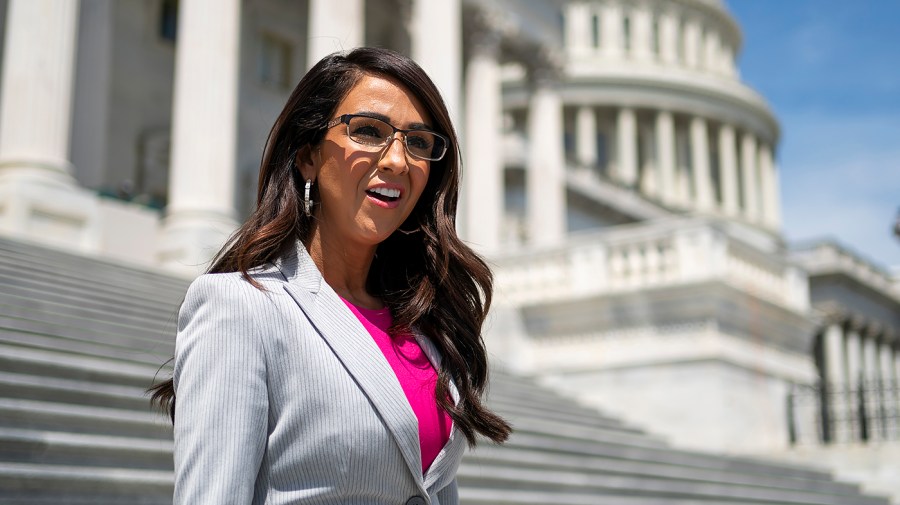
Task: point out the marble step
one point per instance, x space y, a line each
42 336
87 450
117 301
53 416
55 363
548 481
537 459
75 392
88 324
33 256
36 484
473 495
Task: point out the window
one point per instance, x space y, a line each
626 33
168 20
595 30
274 61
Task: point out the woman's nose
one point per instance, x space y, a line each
393 156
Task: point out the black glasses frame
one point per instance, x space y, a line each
345 119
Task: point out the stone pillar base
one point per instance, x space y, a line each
49 210
190 239
39 207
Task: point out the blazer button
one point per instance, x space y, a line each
416 500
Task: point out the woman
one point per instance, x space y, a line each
333 354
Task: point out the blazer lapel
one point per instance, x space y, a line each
356 349
442 469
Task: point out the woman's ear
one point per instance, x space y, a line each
307 162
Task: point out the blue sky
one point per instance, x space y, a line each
830 69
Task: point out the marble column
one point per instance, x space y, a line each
626 133
483 193
36 100
545 173
39 197
835 377
611 36
578 30
886 379
711 51
871 377
437 47
728 167
769 188
586 136
200 214
642 21
853 357
692 32
338 25
749 177
665 152
703 200
668 37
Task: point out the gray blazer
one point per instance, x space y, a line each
284 398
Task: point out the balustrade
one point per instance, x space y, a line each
642 257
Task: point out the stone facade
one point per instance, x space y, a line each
618 174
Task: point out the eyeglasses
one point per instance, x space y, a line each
373 132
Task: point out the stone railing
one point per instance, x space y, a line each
829 257
645 256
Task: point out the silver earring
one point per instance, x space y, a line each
307 200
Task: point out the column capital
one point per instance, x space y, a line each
484 28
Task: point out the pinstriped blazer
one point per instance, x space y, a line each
284 398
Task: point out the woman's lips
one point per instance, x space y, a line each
386 204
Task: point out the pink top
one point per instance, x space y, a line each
417 378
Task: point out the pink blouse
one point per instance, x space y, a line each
417 378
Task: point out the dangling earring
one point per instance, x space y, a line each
307 199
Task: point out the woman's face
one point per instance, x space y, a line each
358 185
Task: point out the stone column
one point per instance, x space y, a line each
586 136
871 377
38 79
545 173
711 51
483 179
339 25
578 29
611 36
437 47
700 156
665 152
835 377
853 355
728 167
668 37
692 43
642 20
769 188
749 177
626 132
200 214
886 379
39 198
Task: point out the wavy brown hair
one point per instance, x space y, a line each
429 279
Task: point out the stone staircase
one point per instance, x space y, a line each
81 339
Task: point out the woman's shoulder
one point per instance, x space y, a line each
234 287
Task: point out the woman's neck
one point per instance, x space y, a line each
345 268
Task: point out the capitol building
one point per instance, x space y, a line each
618 175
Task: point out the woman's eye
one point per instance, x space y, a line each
368 131
418 141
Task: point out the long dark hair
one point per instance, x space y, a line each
430 280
